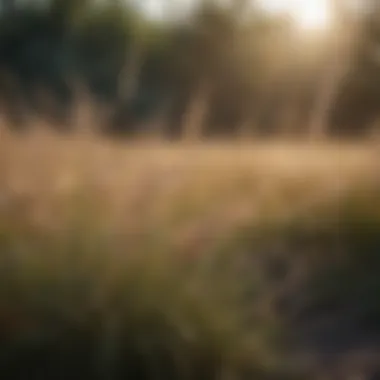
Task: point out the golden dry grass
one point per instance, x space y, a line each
156 199
187 189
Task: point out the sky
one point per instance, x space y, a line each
157 9
307 12
162 9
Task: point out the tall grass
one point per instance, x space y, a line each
82 300
170 262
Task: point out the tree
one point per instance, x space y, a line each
200 53
340 49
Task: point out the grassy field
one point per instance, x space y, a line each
180 261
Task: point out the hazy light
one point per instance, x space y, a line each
165 10
307 14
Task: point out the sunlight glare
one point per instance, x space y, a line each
307 14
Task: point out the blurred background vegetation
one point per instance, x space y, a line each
220 69
208 260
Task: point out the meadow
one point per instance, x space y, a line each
188 261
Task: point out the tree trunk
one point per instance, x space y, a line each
326 95
337 67
162 119
196 112
246 130
129 76
288 119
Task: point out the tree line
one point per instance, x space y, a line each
228 70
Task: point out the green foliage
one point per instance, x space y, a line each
104 306
253 62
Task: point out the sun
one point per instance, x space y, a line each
306 14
